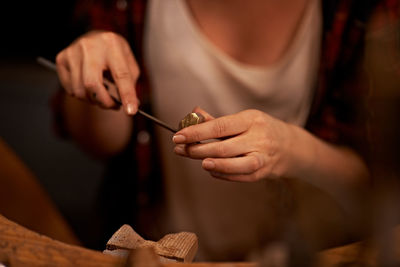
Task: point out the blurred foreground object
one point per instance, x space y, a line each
382 63
22 247
365 253
22 199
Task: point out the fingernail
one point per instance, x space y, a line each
179 149
208 164
130 109
178 138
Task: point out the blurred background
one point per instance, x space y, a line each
42 28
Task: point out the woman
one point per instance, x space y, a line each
285 110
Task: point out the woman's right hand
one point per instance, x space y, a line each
80 68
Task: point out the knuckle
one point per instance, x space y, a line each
109 35
189 150
83 39
69 52
90 84
113 39
122 75
84 45
196 136
78 91
60 58
254 112
254 164
259 118
221 151
79 94
254 116
219 128
88 43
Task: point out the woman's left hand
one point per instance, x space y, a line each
252 145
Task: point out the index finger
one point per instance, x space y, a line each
221 127
125 78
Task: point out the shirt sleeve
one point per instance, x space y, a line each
343 108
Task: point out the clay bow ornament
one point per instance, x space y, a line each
181 247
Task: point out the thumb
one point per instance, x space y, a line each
207 117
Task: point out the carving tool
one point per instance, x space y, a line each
112 90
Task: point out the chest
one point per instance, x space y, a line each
188 68
256 32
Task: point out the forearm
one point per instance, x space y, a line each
99 132
334 169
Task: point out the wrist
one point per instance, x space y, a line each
299 154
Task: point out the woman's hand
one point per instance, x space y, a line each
81 65
254 145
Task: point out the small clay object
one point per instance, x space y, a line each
191 119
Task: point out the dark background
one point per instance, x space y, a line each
32 28
40 28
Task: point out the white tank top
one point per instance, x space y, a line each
187 70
